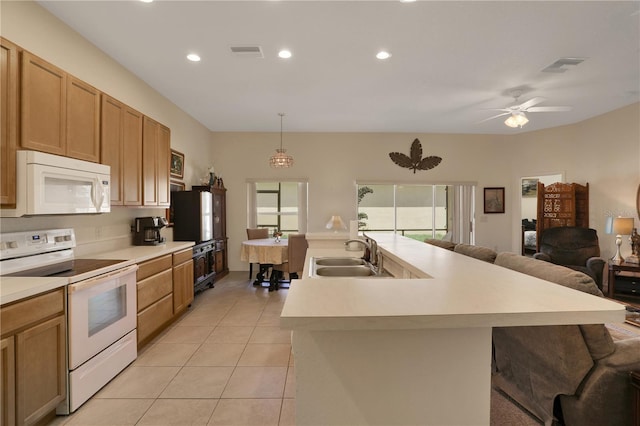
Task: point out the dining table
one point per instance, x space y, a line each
266 252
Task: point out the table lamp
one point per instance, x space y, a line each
619 226
336 224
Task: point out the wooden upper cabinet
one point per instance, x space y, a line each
164 160
111 150
149 155
156 142
8 121
121 148
44 97
132 164
60 114
83 120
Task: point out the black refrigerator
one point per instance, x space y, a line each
192 216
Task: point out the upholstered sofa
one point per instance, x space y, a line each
440 243
477 252
579 369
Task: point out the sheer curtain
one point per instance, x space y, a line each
463 214
252 204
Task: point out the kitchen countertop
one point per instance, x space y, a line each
16 288
450 291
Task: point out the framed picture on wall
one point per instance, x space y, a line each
529 187
494 200
177 164
175 185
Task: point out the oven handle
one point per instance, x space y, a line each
84 285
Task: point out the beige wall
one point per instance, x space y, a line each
604 151
333 162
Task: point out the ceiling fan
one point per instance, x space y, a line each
516 112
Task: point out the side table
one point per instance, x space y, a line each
631 281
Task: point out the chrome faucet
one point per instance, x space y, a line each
371 245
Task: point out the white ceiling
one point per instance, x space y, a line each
451 60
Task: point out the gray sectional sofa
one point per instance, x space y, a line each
580 368
577 375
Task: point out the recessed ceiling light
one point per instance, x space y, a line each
146 1
193 57
407 1
383 54
284 54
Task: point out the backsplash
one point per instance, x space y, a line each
94 233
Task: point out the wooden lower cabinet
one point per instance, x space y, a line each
40 373
182 280
155 297
7 381
33 370
152 319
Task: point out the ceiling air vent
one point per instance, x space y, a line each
560 65
247 51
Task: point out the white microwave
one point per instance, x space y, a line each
50 184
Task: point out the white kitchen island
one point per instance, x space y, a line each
414 351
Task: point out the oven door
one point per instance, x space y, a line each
101 311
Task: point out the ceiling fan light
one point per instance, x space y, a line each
517 119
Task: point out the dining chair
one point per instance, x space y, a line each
256 234
297 251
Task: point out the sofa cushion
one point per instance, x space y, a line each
549 271
440 243
482 253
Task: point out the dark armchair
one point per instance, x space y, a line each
573 247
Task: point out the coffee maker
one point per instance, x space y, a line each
146 230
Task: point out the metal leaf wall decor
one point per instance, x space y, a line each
415 161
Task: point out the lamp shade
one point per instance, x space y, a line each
623 225
336 224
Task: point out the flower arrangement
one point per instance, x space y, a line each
277 234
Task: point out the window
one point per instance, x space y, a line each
416 211
278 205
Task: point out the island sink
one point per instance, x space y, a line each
344 271
352 267
340 261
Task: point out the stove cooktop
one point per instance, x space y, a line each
67 269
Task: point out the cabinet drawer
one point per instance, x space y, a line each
627 285
25 312
182 256
151 267
154 317
154 288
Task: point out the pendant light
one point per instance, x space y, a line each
280 159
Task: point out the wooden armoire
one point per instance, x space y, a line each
562 204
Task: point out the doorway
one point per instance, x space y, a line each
529 208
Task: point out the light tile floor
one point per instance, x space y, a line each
225 362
